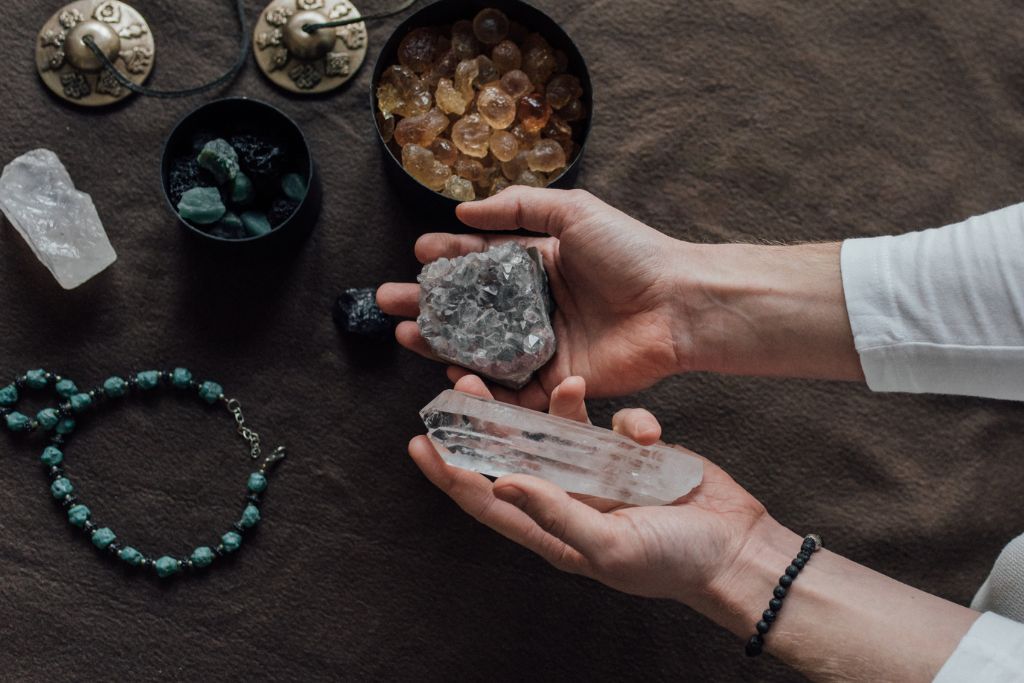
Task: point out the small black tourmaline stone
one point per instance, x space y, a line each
280 210
258 158
185 174
356 311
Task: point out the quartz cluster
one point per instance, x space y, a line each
480 105
59 222
496 439
489 312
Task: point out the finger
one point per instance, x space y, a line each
536 209
638 424
408 335
435 245
399 298
473 385
567 399
474 494
554 511
532 396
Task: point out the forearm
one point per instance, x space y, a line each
766 310
840 620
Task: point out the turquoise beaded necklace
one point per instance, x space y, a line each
59 422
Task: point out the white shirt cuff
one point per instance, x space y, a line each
992 651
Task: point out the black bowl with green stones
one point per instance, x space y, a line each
269 147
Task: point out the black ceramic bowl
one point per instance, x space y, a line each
448 12
236 116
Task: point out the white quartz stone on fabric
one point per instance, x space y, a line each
497 439
489 312
59 222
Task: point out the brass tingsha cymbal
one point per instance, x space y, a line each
71 70
303 62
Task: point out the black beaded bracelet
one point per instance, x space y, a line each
812 543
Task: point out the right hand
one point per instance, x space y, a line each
619 319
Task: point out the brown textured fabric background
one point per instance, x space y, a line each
740 120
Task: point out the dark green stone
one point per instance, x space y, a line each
294 187
255 223
51 456
201 205
220 159
66 426
242 191
48 418
8 395
36 379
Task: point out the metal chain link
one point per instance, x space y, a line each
251 436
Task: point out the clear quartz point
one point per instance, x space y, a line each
496 439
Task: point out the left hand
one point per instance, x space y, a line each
671 551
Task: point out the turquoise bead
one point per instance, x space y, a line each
130 556
48 418
66 426
181 378
166 566
18 422
66 388
148 379
61 487
210 392
202 556
51 456
231 541
257 482
8 395
250 516
36 379
101 538
79 515
80 402
115 387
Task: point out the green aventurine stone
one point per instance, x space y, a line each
79 515
17 422
201 205
130 556
257 482
48 418
181 377
202 556
66 426
231 223
80 402
51 456
250 516
210 391
147 379
61 487
231 541
66 388
103 537
115 387
166 566
293 186
255 223
36 379
241 189
220 159
8 395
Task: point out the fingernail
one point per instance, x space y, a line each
512 495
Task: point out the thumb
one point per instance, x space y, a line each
518 206
567 519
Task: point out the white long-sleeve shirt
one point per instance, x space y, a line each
942 311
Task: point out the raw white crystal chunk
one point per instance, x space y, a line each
497 439
59 223
489 312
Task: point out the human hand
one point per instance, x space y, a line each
672 551
619 320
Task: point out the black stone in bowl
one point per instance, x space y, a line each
448 12
246 122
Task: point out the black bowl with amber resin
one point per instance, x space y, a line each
446 12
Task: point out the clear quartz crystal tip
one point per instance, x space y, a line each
496 439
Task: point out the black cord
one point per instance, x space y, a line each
227 77
310 28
